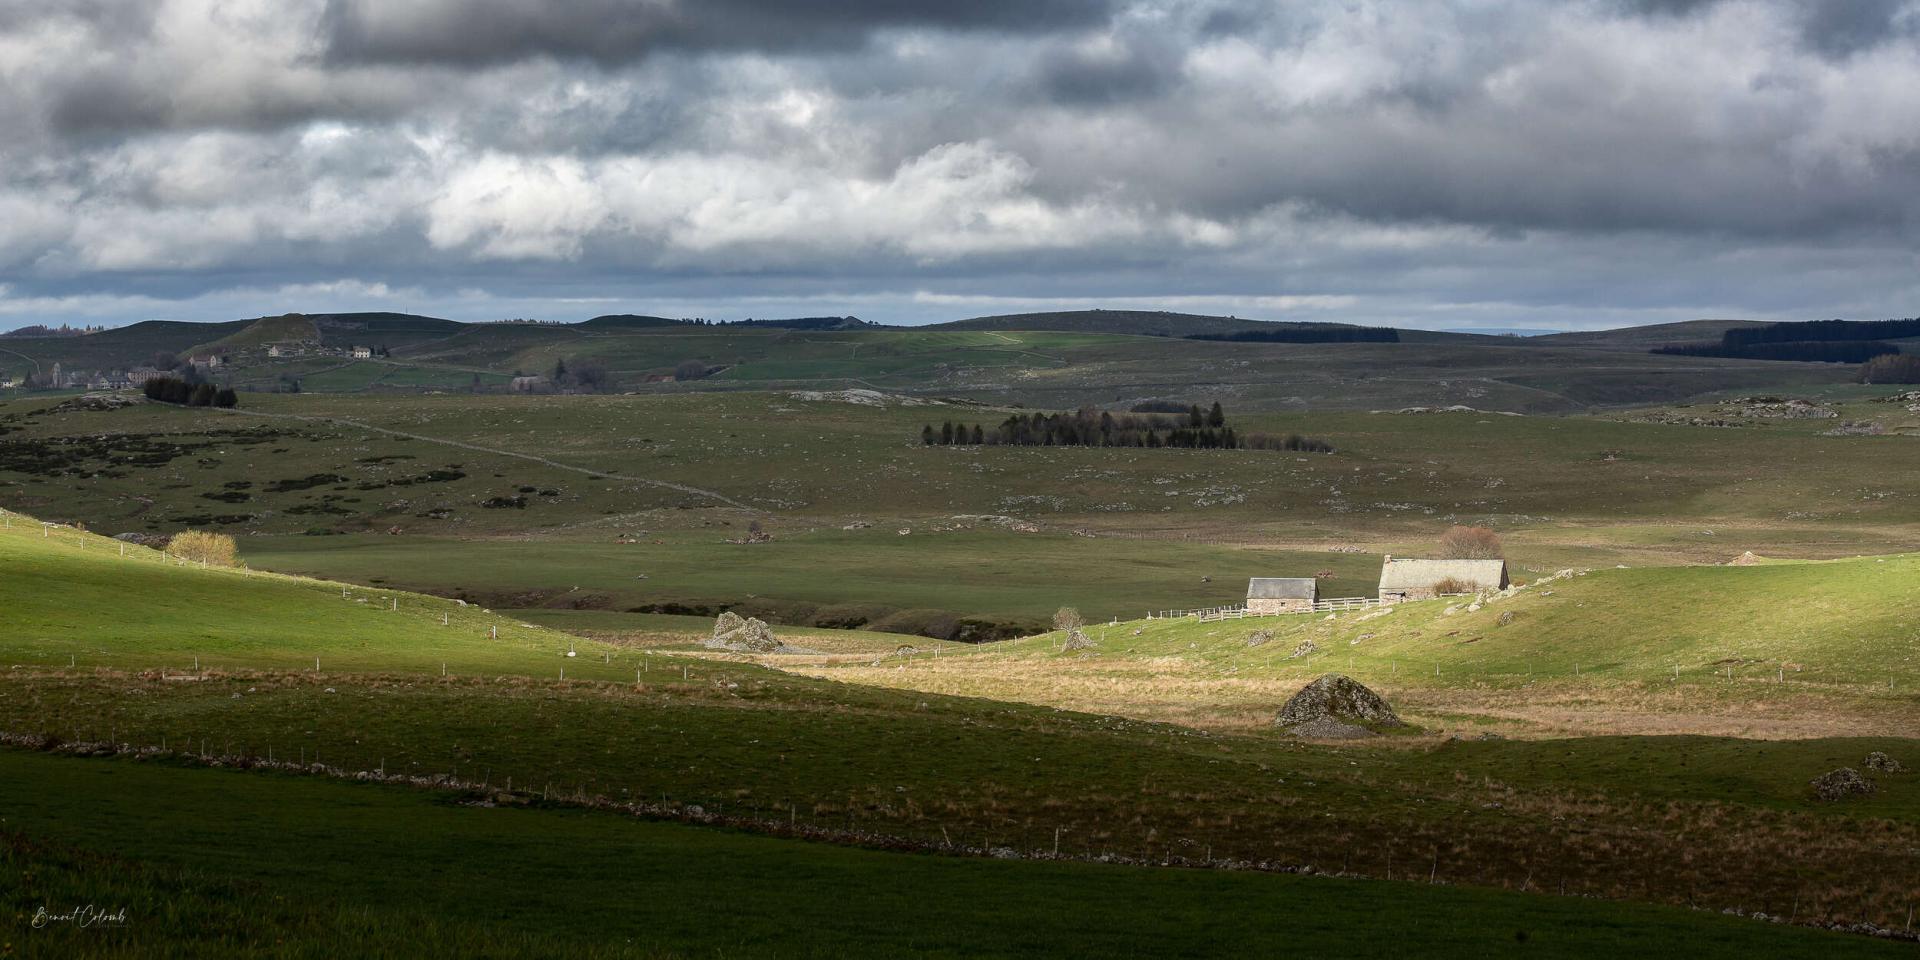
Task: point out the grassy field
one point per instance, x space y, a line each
1596 816
325 869
568 501
1792 649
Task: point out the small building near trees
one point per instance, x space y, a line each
1281 594
1425 579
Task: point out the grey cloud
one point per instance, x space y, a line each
1130 68
1838 28
1630 156
617 31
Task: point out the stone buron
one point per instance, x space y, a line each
1335 707
746 635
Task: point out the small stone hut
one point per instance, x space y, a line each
1281 594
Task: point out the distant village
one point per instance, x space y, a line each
199 366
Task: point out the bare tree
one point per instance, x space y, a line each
1471 543
690 370
1067 618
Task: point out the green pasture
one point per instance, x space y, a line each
328 868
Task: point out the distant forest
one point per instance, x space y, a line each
1198 429
42 330
1811 351
1820 341
1306 333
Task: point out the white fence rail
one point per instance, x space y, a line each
1210 614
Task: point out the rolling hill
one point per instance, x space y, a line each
702 738
1779 649
1063 359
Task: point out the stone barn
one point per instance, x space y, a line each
1426 579
1281 594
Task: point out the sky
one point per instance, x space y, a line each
1447 164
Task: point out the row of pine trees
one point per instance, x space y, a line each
1198 429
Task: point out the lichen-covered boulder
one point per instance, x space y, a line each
1329 706
746 635
1841 784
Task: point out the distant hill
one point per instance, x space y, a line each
812 323
1149 323
630 321
258 333
1647 337
381 329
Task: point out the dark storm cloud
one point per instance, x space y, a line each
1838 28
616 31
1832 28
1377 160
1133 68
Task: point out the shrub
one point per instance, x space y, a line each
1448 585
199 546
690 370
1067 618
1471 543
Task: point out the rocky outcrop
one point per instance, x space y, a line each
744 635
1336 707
1841 784
1882 763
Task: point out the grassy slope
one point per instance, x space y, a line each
341 861
67 597
735 736
1566 491
1734 649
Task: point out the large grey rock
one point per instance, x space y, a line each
746 635
1336 707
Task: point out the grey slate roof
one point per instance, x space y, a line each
1281 588
1423 574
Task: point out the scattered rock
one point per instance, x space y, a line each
863 398
1335 707
92 403
1856 428
1505 619
1841 784
1259 637
1327 728
1746 559
1883 763
1778 408
1305 647
1077 639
